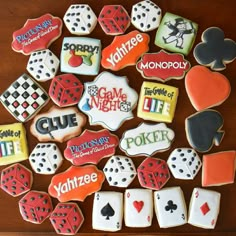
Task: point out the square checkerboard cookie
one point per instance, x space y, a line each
24 98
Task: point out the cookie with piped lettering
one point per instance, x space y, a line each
37 34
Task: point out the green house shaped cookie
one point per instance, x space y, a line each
176 34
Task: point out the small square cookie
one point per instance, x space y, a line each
107 211
138 210
176 34
170 207
204 208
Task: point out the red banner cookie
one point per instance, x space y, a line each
37 34
163 66
125 50
76 183
91 147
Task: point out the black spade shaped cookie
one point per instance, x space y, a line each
203 129
215 51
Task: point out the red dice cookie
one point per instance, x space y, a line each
114 19
153 173
35 206
65 90
16 180
67 218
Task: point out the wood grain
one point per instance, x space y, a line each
14 13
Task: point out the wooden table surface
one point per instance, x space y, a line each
14 13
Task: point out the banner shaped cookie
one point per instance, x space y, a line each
157 102
125 50
58 124
147 139
13 144
162 66
37 34
91 147
76 183
108 101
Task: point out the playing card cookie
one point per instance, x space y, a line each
184 163
13 144
147 139
204 208
163 66
120 171
16 180
157 102
43 65
65 90
37 34
153 173
76 183
218 168
46 158
66 218
91 147
24 98
170 207
80 55
125 50
176 34
138 207
145 16
58 124
215 50
205 88
203 130
107 211
80 19
114 19
108 101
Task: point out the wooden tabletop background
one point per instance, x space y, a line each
207 13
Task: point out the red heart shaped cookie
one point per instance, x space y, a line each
138 205
205 88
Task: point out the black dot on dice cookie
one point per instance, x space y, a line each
181 171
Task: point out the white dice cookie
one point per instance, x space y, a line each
119 171
43 65
170 207
80 19
138 209
46 158
204 208
184 163
107 211
145 16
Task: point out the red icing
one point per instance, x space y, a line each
138 205
75 60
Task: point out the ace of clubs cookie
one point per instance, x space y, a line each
107 211
170 207
138 208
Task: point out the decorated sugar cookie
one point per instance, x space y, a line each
91 147
147 139
205 88
108 101
215 50
80 55
13 144
58 124
176 34
76 183
157 102
163 66
37 34
125 50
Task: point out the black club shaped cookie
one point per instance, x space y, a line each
24 98
215 50
203 129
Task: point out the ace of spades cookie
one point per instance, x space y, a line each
138 210
170 207
107 211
